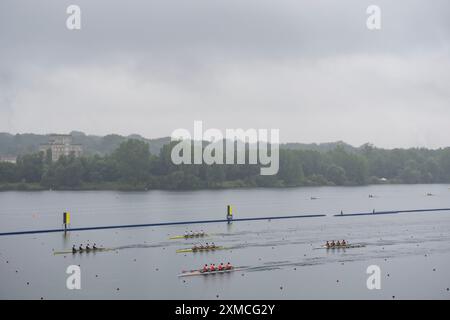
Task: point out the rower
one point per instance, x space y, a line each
74 250
327 244
228 266
191 234
94 247
207 246
221 267
186 234
338 244
332 243
212 267
202 233
88 248
80 249
213 245
205 268
344 243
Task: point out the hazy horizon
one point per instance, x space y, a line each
168 137
310 69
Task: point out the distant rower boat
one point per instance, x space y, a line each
83 251
201 249
348 246
202 235
203 273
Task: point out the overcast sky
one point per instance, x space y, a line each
309 68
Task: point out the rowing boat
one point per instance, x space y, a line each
201 249
84 251
189 236
348 246
202 273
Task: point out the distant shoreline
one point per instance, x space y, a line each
131 167
34 187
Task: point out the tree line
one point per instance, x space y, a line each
131 166
14 145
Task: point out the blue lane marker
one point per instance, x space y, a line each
389 212
157 224
217 221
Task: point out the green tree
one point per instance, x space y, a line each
355 166
8 172
336 175
291 169
133 161
30 167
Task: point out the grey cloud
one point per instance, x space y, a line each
203 27
310 68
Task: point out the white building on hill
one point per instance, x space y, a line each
61 145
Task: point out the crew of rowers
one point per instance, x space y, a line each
192 234
333 244
213 267
87 248
207 246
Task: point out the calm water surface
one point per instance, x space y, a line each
412 250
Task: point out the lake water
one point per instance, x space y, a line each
412 249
